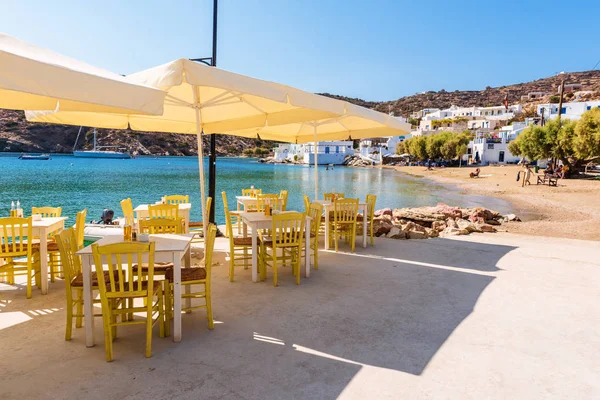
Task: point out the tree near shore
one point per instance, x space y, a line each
571 142
443 145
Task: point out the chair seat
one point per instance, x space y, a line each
188 274
196 224
312 235
78 280
242 241
160 267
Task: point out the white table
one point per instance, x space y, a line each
42 229
258 220
328 206
168 248
141 212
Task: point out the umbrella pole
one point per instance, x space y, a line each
316 165
200 155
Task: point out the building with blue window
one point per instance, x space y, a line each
569 110
332 152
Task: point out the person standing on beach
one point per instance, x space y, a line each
527 175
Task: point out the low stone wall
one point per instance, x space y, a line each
441 220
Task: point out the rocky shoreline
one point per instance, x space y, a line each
439 221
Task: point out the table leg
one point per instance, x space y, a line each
187 262
326 227
254 255
44 260
186 217
88 300
307 248
177 296
364 238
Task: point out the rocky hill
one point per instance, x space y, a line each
486 97
17 135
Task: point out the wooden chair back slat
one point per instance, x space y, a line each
288 229
163 211
16 237
162 225
120 258
345 210
251 192
47 212
263 199
68 245
127 207
177 199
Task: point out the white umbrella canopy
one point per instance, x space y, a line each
32 77
356 123
207 99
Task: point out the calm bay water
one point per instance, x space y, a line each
96 184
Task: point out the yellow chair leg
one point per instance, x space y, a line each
107 335
274 268
69 315
149 328
209 314
161 315
52 272
297 263
231 264
316 254
167 314
79 319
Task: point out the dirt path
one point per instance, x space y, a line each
571 210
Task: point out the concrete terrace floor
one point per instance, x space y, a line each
487 316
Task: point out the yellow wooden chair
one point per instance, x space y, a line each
159 226
80 227
307 204
271 199
123 284
251 192
194 276
233 214
370 217
15 244
54 263
163 211
344 221
316 214
67 242
283 195
127 207
284 245
177 199
47 212
238 247
197 227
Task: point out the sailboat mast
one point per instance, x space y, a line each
94 139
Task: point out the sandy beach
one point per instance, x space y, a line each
570 210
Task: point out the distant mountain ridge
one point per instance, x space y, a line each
18 135
489 96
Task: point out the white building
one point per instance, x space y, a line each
569 110
493 149
472 114
332 152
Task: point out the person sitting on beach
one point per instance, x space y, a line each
475 174
558 172
549 170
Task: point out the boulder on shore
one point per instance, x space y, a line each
441 220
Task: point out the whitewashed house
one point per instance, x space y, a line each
488 149
331 152
569 110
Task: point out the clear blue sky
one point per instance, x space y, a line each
373 49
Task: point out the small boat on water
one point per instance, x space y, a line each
97 153
35 157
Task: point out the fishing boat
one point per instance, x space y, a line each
97 153
42 157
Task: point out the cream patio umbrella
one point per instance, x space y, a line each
207 99
34 78
356 123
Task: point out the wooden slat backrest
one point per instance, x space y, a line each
177 199
345 210
16 237
68 245
161 225
288 229
163 211
47 212
120 258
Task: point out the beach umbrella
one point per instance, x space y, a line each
355 123
202 99
34 78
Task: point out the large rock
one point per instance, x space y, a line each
432 233
467 225
396 233
438 225
487 228
383 211
418 214
383 229
417 235
451 223
511 217
454 232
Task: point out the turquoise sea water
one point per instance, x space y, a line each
96 184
